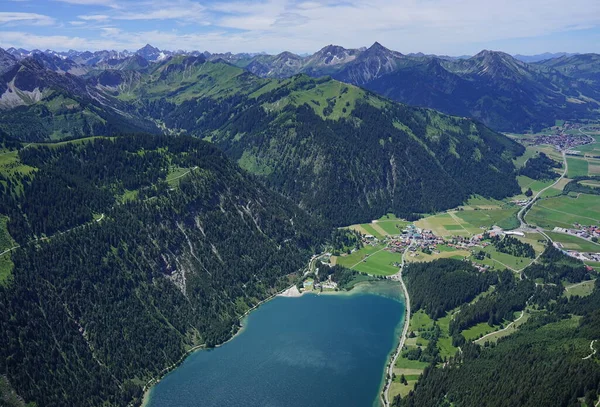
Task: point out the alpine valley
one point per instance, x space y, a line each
150 200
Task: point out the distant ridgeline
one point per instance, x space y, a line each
547 361
338 151
88 316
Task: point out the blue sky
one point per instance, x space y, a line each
451 27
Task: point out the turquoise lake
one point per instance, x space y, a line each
315 350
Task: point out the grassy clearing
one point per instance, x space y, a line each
6 241
535 185
535 239
564 211
571 242
511 329
129 195
175 174
577 167
581 289
6 267
477 331
411 369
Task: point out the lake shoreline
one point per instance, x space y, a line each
363 288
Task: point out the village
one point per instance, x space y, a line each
563 141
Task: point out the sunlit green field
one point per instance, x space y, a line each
577 167
380 263
574 243
564 211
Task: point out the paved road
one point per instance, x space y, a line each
390 370
524 209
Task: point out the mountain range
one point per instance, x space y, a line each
506 93
343 153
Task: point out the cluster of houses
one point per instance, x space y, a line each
563 141
584 232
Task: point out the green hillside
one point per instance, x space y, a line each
343 153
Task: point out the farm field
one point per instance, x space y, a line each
446 224
564 210
571 242
505 218
390 224
356 256
368 229
577 167
591 149
556 189
479 202
469 222
387 225
380 263
590 183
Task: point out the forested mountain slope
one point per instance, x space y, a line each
88 316
337 150
549 360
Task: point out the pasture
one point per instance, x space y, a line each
577 167
563 211
355 257
380 263
470 222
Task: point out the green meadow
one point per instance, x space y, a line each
563 211
577 167
380 263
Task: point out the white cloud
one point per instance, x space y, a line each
25 18
94 17
105 3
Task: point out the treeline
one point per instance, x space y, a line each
576 186
444 284
540 168
513 246
344 240
90 315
